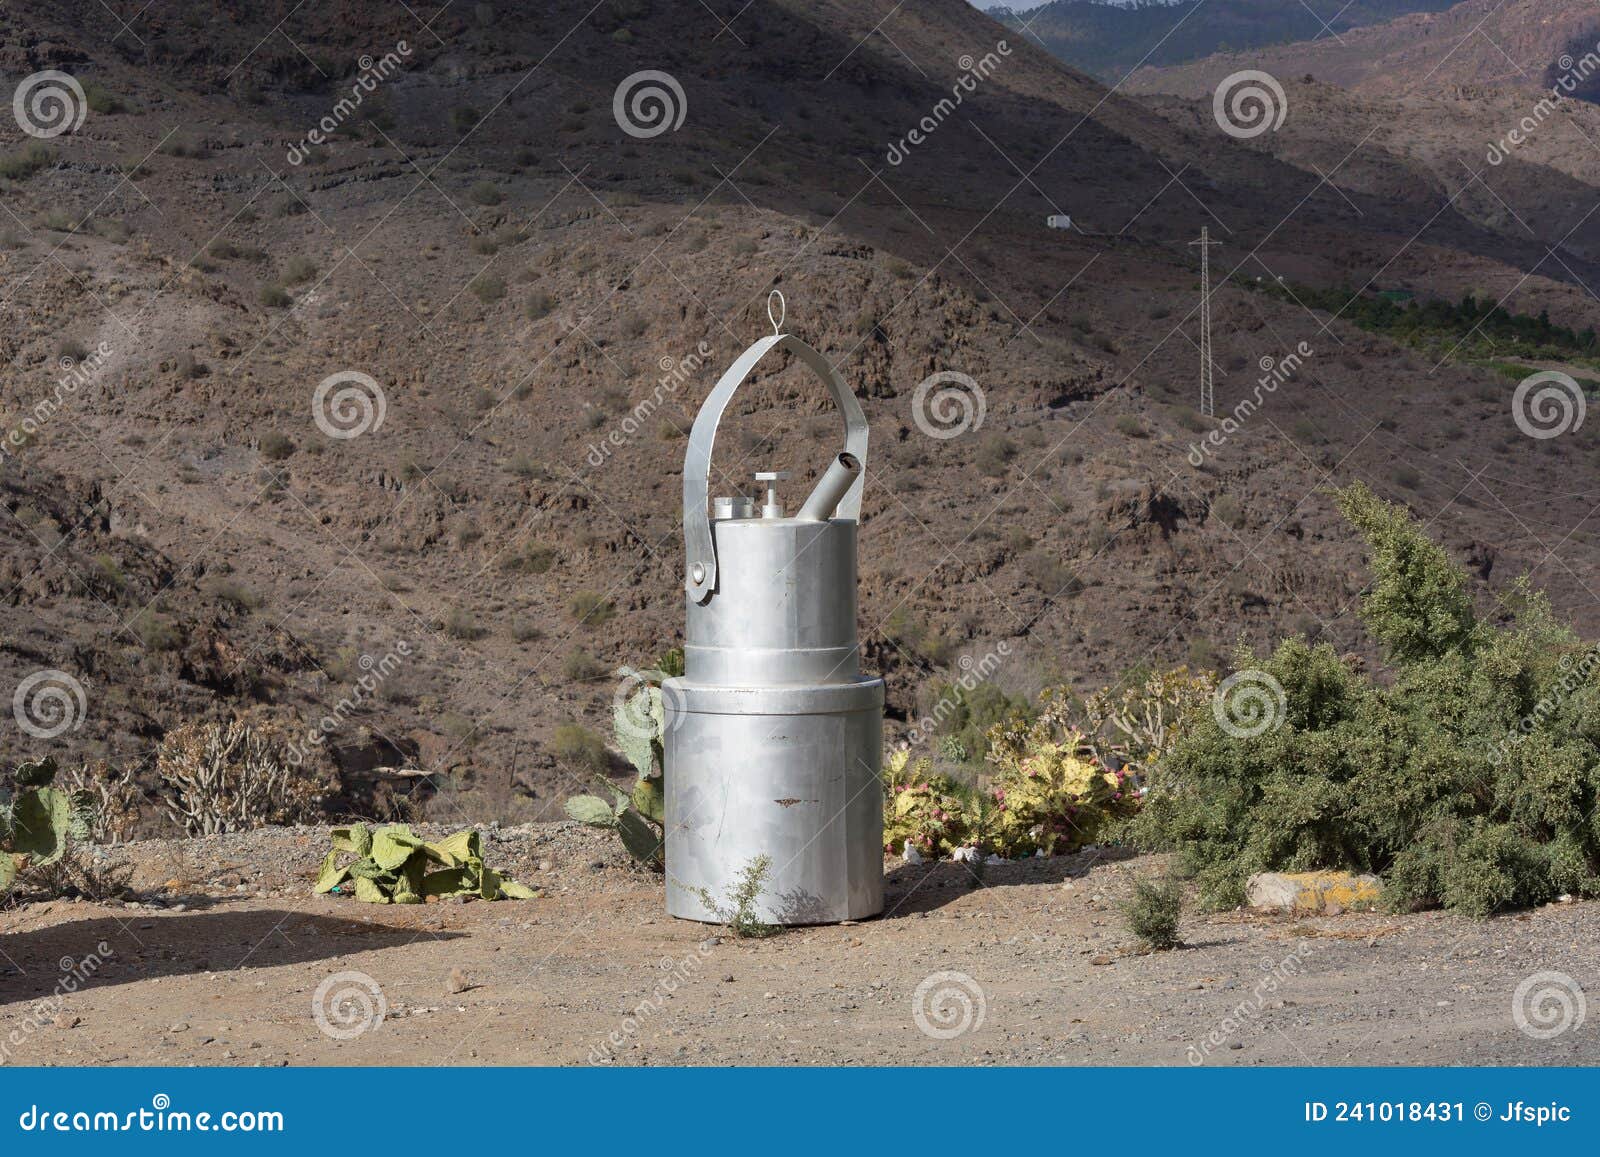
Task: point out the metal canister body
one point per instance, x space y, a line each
790 773
773 737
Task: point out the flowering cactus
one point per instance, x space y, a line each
1051 797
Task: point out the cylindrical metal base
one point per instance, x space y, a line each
790 773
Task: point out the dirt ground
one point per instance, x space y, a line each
219 957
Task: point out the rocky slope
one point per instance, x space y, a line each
527 286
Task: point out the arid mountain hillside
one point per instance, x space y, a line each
1109 40
1527 45
529 289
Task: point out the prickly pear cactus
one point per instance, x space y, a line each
37 821
637 817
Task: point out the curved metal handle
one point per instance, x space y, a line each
700 552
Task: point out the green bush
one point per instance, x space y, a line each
581 667
577 745
298 270
33 158
488 287
276 446
1469 779
995 453
961 717
1153 911
588 607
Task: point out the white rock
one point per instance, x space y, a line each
910 854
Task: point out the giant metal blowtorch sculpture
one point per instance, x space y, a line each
773 736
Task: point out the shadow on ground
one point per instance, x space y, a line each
911 889
115 950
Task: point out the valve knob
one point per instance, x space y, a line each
772 508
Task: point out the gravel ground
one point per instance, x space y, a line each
220 955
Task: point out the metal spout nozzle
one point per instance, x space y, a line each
841 474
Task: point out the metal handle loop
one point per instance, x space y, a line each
700 552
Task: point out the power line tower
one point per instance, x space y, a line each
1208 396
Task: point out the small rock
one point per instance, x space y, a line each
457 982
181 1026
1325 892
1236 1045
728 979
545 865
1099 960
